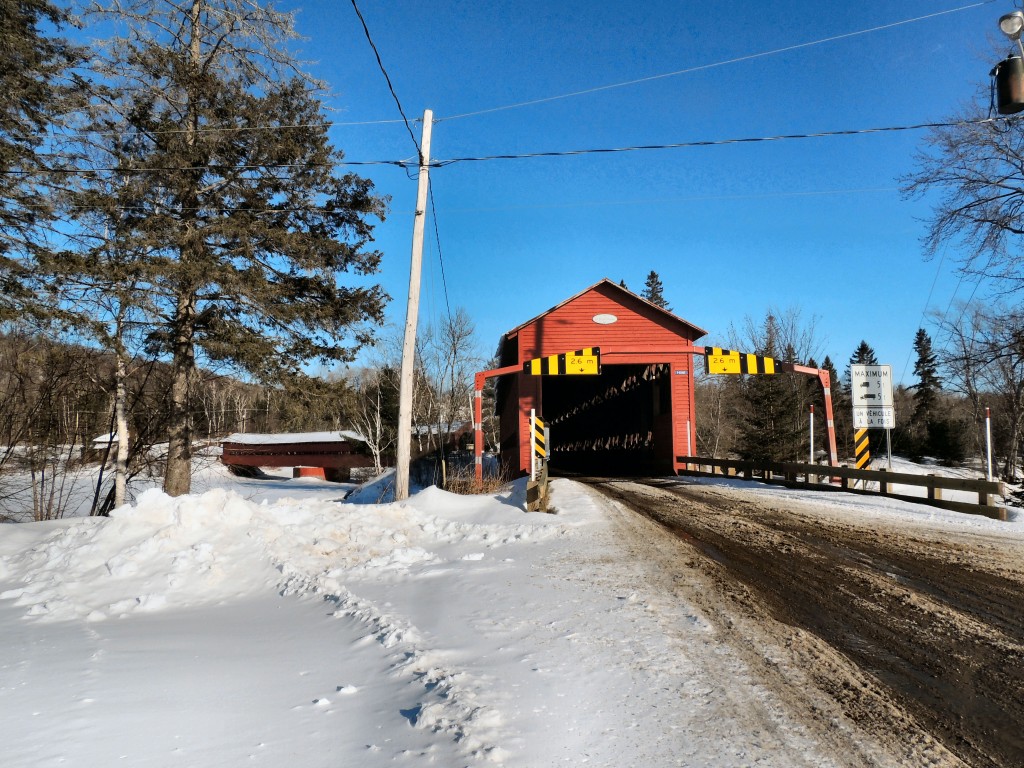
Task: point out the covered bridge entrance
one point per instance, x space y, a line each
636 416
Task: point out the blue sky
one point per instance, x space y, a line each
815 224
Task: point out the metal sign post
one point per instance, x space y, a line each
533 444
537 487
812 436
988 443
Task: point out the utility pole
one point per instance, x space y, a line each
404 449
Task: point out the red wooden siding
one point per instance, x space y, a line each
640 327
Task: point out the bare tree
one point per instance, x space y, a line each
48 408
793 332
450 359
717 415
975 167
984 359
375 416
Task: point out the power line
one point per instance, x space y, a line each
722 142
702 67
230 128
531 155
391 88
440 256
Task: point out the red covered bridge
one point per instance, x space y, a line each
328 455
637 415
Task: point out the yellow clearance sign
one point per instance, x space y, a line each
582 362
718 360
585 364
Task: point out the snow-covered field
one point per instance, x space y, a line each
262 622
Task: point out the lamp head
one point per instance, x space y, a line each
1012 24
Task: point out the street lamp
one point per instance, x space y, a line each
1011 25
1009 73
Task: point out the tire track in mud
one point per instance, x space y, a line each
931 618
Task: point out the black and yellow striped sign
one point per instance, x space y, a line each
540 447
861 449
582 362
718 360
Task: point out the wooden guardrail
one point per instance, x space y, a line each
821 477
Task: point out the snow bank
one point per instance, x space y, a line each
216 553
194 550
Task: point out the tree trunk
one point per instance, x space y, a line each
121 419
178 475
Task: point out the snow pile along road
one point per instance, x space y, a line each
203 556
189 551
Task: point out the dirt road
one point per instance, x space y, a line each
912 632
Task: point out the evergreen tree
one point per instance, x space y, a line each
36 97
835 383
863 355
771 428
799 393
654 291
933 431
228 216
926 368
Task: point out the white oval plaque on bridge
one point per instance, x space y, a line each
605 319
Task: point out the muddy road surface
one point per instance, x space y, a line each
913 631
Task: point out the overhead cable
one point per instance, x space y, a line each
440 163
720 142
702 67
391 88
440 256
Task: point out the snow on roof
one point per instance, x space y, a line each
255 438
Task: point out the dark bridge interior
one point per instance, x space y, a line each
617 423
